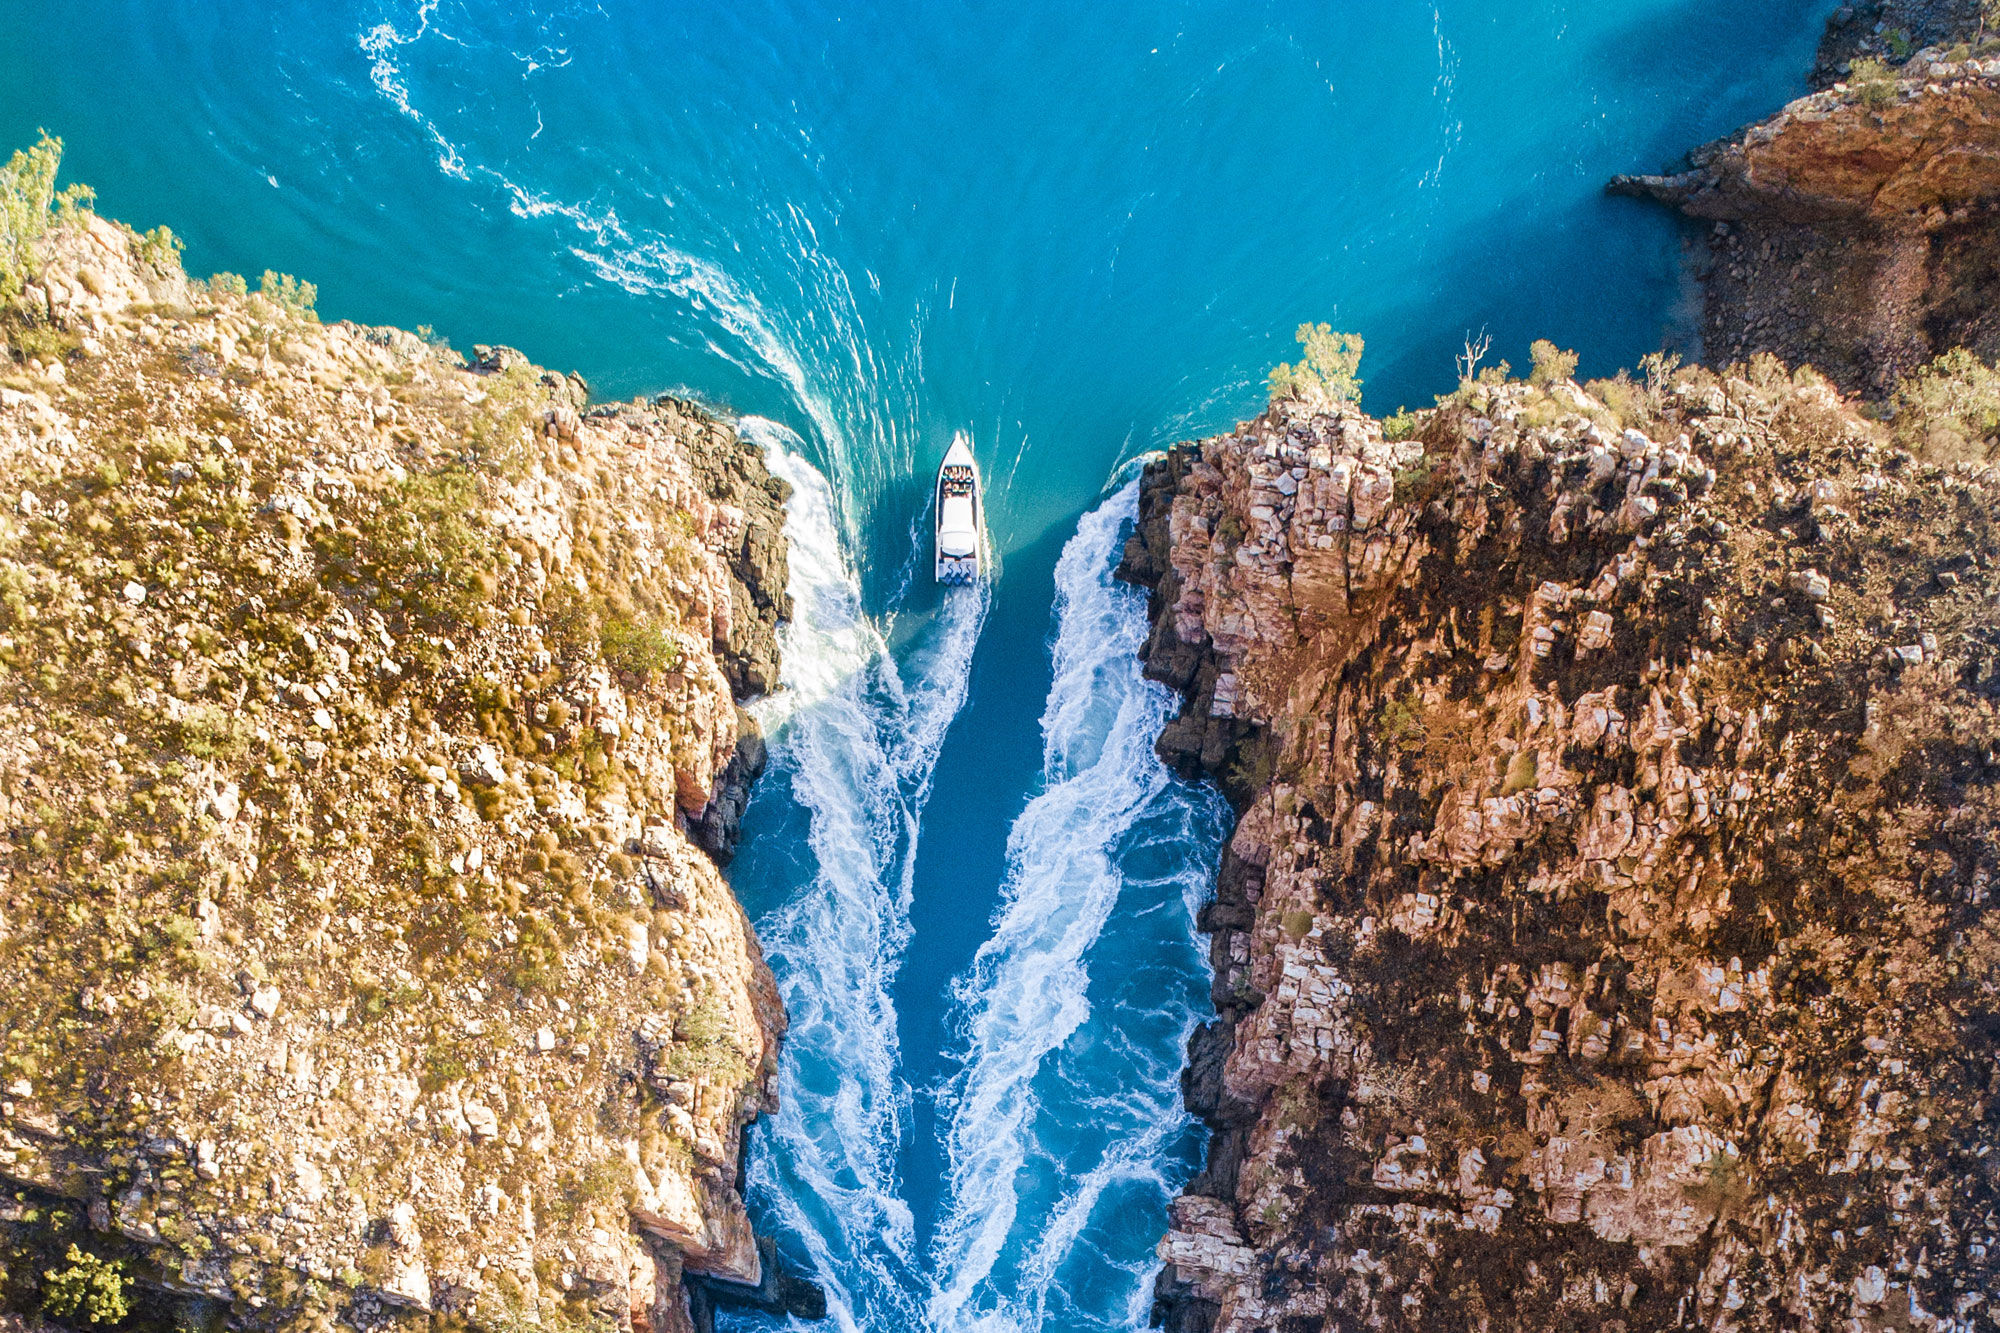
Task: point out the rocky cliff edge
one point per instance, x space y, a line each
1606 941
360 711
1855 229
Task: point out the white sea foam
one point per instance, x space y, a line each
814 339
1025 995
855 745
380 44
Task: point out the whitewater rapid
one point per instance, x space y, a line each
1066 1100
855 745
1064 1134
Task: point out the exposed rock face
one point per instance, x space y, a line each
1856 229
1935 144
355 710
732 473
1606 940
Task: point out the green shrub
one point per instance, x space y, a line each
1551 365
289 294
209 731
1949 411
637 645
1626 399
1329 367
443 1066
1521 773
89 1289
44 343
1417 481
1400 426
703 1048
27 197
1402 723
422 546
228 284
1251 770
1873 82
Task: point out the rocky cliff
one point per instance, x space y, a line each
1606 941
360 713
1856 229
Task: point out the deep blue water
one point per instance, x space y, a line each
1075 232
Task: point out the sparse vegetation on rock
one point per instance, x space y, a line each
87 1290
1949 412
1606 940
356 957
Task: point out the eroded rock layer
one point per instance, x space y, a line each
356 709
1606 941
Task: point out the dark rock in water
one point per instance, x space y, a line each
1201 1082
781 1293
721 824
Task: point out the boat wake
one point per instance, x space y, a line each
1066 1137
787 311
853 744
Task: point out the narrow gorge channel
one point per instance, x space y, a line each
834 238
1065 1132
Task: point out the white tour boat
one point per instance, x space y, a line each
961 519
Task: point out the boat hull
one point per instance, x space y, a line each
959 518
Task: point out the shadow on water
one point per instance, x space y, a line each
1698 42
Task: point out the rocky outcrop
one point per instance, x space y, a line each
1606 939
357 710
1930 147
1855 229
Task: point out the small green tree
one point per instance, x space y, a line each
27 198
1950 410
161 248
1328 369
289 294
637 645
1550 364
89 1289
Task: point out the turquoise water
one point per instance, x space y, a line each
1075 233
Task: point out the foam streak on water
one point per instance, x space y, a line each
854 384
854 744
1064 1115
